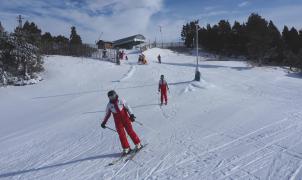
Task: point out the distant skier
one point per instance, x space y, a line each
162 88
159 59
123 117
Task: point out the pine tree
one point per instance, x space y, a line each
213 38
258 38
274 51
224 35
293 40
75 42
74 37
1 29
46 43
188 34
300 39
32 33
26 55
238 39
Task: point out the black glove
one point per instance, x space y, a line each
132 117
103 125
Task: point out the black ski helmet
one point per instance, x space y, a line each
111 93
162 76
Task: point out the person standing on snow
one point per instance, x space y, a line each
159 59
123 116
162 88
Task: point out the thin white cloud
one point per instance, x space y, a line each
243 4
120 18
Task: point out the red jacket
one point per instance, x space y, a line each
163 85
119 109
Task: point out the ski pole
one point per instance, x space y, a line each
111 129
139 123
158 98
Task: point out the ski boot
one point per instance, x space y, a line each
138 147
126 151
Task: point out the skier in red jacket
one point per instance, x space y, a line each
162 88
123 117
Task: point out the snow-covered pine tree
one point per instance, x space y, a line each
18 58
26 55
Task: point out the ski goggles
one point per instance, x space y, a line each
112 97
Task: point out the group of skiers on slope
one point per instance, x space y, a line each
122 55
142 59
123 116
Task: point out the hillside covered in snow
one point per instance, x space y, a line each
238 122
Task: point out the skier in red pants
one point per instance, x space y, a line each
123 117
162 88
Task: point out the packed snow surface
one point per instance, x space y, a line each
238 122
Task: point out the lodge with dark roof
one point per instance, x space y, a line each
126 43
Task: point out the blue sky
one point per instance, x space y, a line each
114 19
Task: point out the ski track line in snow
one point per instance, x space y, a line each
258 142
257 168
238 168
119 170
48 160
226 144
129 73
229 163
294 175
169 112
235 167
255 152
267 163
153 170
74 159
58 155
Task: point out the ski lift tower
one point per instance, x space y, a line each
19 19
197 72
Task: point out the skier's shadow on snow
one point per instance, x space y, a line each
182 82
69 94
15 173
92 91
208 66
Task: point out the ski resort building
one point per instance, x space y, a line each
104 44
129 42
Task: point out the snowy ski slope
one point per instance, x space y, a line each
237 123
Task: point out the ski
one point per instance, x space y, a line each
126 157
134 153
118 159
